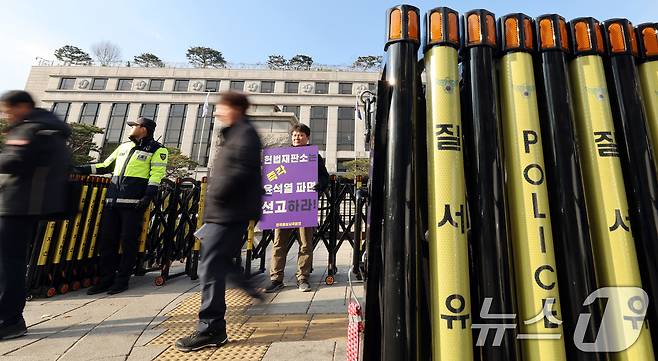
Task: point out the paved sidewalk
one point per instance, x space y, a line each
142 323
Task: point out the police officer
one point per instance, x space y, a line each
137 168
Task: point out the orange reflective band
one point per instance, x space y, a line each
633 39
527 30
616 35
511 33
563 35
395 25
546 34
650 41
491 29
436 26
474 33
582 39
413 24
453 29
599 37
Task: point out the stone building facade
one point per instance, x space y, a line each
109 96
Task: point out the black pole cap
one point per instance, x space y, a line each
647 36
619 37
585 36
402 24
551 33
479 28
515 33
441 28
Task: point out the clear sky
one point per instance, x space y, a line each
245 31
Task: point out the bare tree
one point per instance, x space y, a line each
106 53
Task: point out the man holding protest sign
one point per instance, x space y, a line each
300 135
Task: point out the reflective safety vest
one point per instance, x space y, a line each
137 170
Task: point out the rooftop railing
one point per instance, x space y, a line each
237 66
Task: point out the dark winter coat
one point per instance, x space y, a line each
34 167
235 188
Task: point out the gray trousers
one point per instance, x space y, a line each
218 249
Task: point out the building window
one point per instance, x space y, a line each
149 111
237 85
372 87
345 139
99 84
181 85
292 109
292 87
212 86
322 88
61 110
114 128
318 125
89 113
202 135
125 84
66 83
344 88
156 85
267 87
175 125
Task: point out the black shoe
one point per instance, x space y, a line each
99 288
118 288
197 341
275 286
15 330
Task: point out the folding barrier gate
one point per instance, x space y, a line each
514 190
339 216
63 255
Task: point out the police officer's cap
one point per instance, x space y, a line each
144 122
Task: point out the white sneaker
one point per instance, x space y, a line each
304 286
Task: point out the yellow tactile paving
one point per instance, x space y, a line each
250 336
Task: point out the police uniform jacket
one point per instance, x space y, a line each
137 169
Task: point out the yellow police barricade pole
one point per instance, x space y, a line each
56 273
79 271
647 35
145 229
54 276
452 337
73 240
196 249
537 293
613 244
250 248
91 256
35 282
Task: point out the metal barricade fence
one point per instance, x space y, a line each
337 215
64 254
